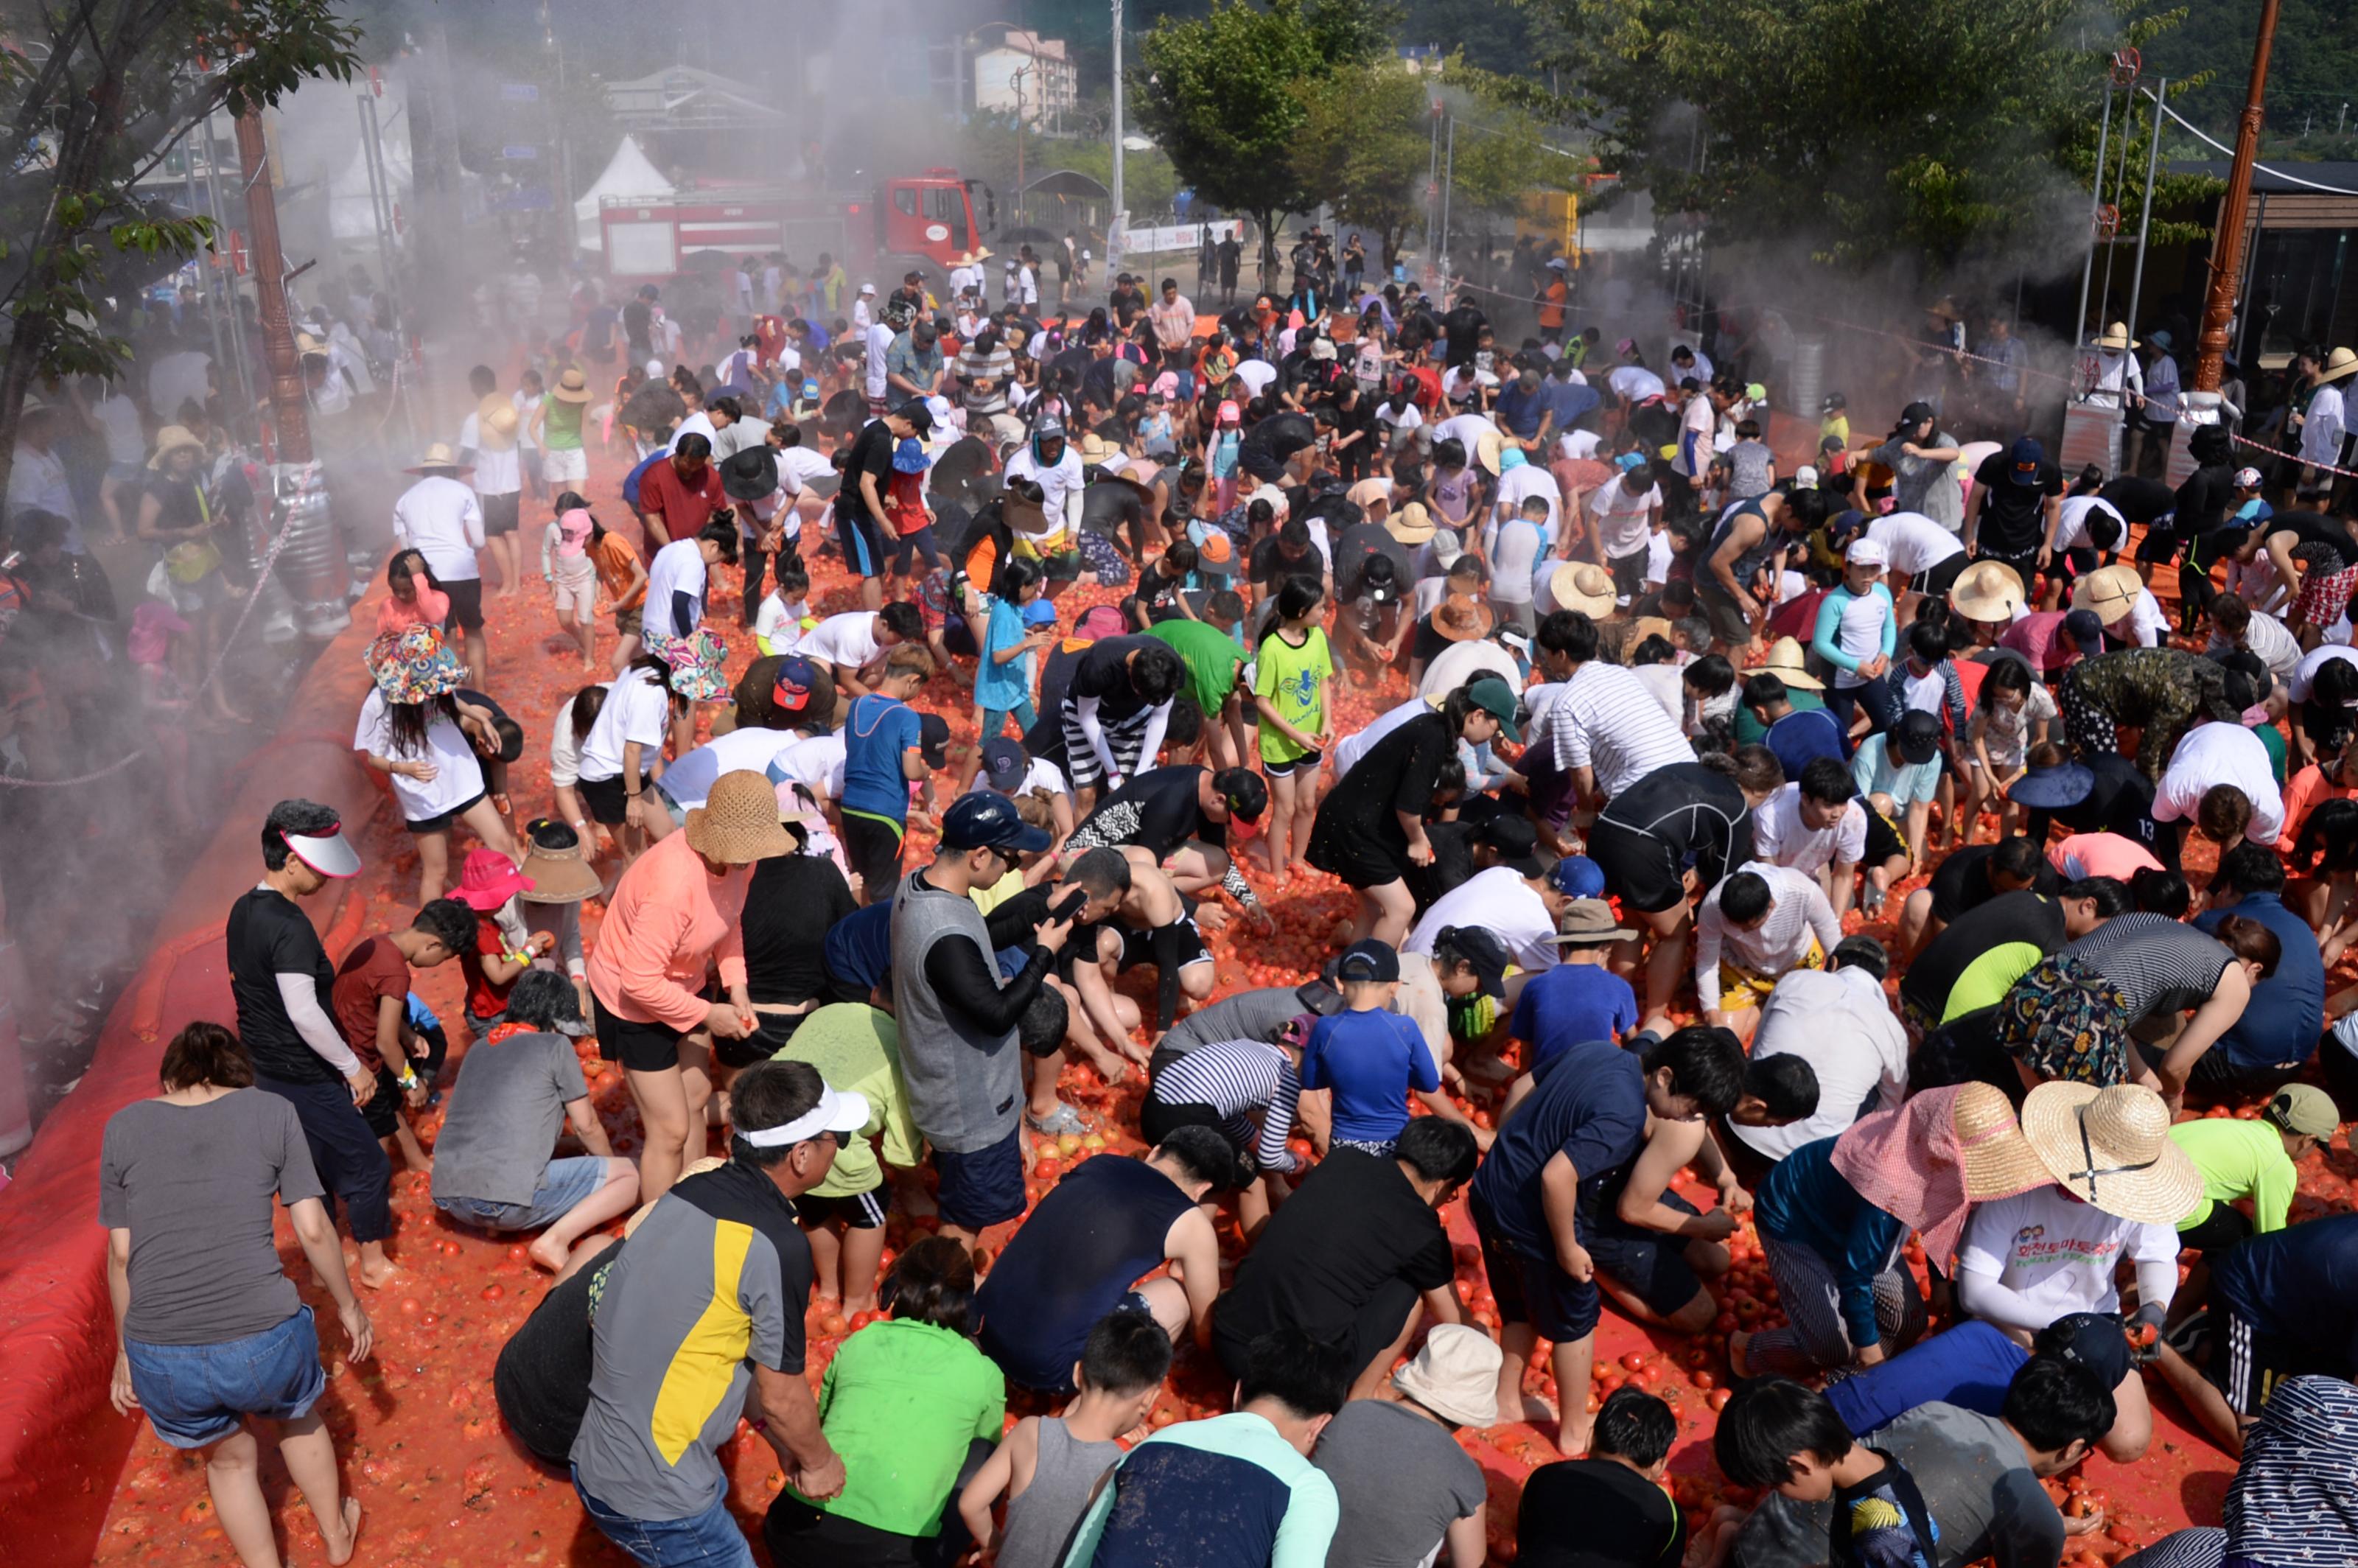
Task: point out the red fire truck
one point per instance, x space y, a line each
924 221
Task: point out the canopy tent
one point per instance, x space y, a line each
628 175
351 213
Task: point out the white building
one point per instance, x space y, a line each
1040 71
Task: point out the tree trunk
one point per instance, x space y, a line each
1268 218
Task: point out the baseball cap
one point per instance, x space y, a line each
1915 413
1624 345
1577 876
792 694
1479 947
933 740
917 412
1869 553
1369 959
1242 788
867 288
2026 459
1378 580
985 820
1038 612
2307 1109
1004 763
1918 736
1230 413
1497 698
2249 479
2086 628
1513 840
1628 462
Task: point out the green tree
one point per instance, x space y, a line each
99 94
1365 143
1872 127
1222 95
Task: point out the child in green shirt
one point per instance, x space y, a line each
1290 690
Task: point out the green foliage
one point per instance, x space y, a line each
988 152
117 83
2312 74
1869 128
1366 142
1224 96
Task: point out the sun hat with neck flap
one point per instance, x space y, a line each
738 823
1455 1376
1928 1160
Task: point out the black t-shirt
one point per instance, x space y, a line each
1110 506
1353 1226
1594 1513
2203 499
638 320
870 453
1268 564
1046 738
2022 916
269 936
1103 672
1462 326
2313 528
2014 516
2137 499
1396 774
1359 544
789 905
542 1377
1166 809
1963 881
1274 439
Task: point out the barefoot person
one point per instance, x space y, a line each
284 990
210 1328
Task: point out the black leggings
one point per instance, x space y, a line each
1881 702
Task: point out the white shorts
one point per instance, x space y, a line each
569 465
575 596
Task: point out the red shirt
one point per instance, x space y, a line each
372 971
484 999
684 507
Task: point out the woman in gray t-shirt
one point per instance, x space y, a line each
210 1327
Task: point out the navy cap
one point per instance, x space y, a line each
983 820
1004 763
792 694
1368 960
1482 948
2086 628
2026 459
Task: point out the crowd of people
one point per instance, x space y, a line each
964 662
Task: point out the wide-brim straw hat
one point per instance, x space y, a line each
439 459
1487 447
1462 618
173 438
571 387
1789 663
1645 626
1412 525
2111 1149
2116 336
2110 591
2339 363
495 423
1455 1375
1585 587
738 823
1986 590
1928 1160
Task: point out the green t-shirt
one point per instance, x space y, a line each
1212 659
1750 731
1986 980
857 1049
2273 739
1295 681
900 1402
2239 1160
560 425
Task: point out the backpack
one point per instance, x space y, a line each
631 482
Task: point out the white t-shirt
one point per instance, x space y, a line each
849 640
440 519
638 708
2148 627
689 781
2304 673
564 749
879 340
457 774
797 466
1529 479
1634 383
1467 429
1621 517
1401 417
1917 543
2221 754
816 764
2057 1252
1353 747
1658 555
127 442
2071 532
1256 375
678 567
1696 419
1577 444
1779 835
778 624
496 474
1838 1023
1502 903
1514 548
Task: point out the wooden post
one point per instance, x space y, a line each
2227 239
290 410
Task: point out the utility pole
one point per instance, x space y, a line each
290 412
2227 256
2145 212
1117 108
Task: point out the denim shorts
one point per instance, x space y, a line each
198 1394
564 1186
707 1540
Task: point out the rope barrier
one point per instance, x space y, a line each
269 558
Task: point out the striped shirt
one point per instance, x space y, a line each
1607 721
2291 1500
1239 1079
1798 911
2161 965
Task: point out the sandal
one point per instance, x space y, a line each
1065 1120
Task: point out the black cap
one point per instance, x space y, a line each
1242 788
1515 841
1915 413
917 414
984 820
933 740
1918 736
1480 947
1318 997
1368 960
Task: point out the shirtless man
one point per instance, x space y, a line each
1152 923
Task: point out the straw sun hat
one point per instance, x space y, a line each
2110 592
2111 1149
1986 590
1584 586
1789 663
1927 1161
738 823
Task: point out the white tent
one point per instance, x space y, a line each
628 175
351 213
